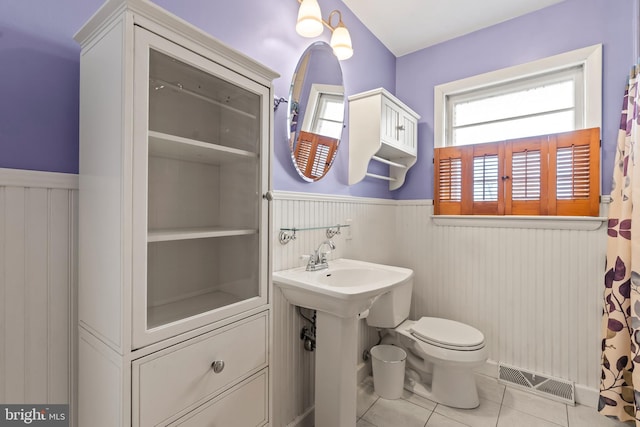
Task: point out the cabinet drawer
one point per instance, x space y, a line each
245 405
181 377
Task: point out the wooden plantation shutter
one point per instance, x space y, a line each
575 157
488 194
526 176
545 175
449 178
314 153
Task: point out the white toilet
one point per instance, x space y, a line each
441 353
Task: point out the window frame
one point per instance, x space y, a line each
588 58
312 107
320 110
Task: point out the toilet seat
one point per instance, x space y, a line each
449 334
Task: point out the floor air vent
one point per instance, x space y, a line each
544 385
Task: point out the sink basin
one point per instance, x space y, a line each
347 288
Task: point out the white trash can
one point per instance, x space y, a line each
388 370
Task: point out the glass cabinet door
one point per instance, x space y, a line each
200 131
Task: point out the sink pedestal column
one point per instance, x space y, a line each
335 382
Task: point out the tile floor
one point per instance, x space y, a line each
500 406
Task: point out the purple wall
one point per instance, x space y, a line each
39 75
38 89
566 26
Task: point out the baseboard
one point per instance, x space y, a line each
584 395
587 396
306 419
363 371
490 369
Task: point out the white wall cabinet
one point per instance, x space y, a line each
383 129
173 230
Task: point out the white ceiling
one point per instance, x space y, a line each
405 26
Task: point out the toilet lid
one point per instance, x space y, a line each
447 334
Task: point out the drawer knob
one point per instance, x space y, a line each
217 366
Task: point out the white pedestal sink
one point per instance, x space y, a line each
339 294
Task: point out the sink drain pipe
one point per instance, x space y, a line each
308 334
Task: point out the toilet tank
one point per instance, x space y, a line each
392 308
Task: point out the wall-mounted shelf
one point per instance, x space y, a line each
288 234
381 128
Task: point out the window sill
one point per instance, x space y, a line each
583 223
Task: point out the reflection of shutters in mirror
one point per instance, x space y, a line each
313 154
547 175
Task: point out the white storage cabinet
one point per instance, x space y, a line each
175 132
382 129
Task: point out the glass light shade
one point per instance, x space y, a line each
341 42
309 19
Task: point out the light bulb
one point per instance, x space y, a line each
309 19
341 42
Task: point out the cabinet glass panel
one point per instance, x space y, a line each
203 205
193 276
188 102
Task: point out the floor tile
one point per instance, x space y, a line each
418 400
489 388
519 409
547 409
363 423
584 416
366 397
437 420
396 413
485 415
509 417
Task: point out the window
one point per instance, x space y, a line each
488 159
546 104
554 174
328 116
324 111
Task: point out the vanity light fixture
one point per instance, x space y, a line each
310 24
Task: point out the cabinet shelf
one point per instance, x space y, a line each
388 162
177 147
382 177
186 307
164 235
180 88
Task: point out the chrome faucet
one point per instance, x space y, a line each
318 260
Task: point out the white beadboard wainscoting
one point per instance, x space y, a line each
536 293
38 270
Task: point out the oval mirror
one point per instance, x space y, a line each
316 111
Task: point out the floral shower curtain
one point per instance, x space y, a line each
620 379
